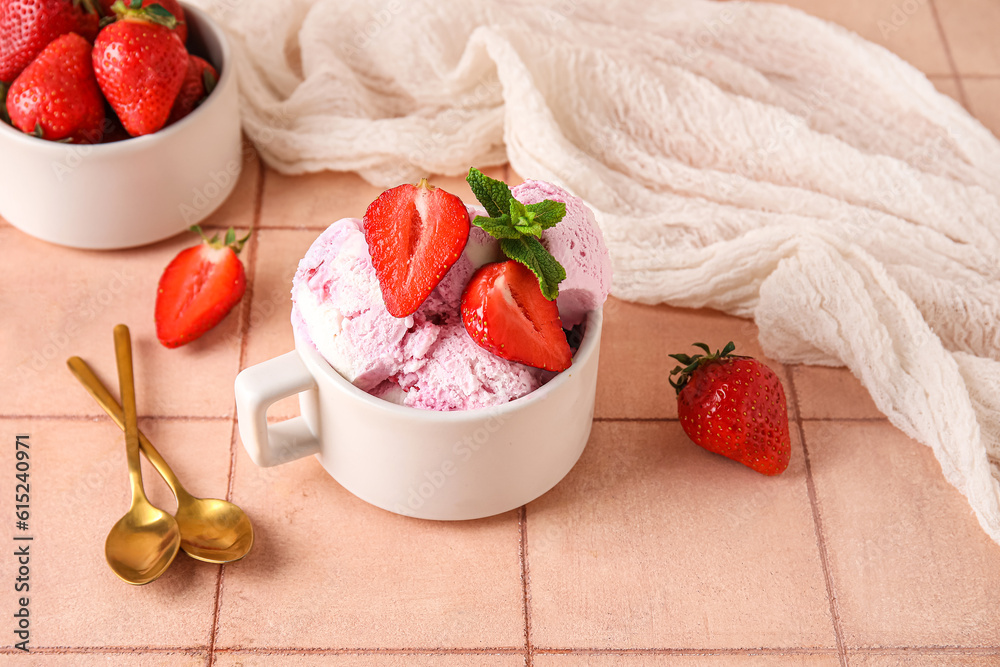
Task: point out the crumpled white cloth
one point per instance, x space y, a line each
743 157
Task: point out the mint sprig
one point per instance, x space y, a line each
518 227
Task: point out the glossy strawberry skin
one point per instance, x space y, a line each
28 26
735 406
415 233
504 311
197 289
193 89
140 68
58 94
171 6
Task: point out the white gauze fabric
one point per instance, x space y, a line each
743 157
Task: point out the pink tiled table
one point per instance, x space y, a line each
651 552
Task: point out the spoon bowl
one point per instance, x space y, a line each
213 530
141 546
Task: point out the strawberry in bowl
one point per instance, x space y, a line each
56 190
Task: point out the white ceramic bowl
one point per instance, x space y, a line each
135 191
457 465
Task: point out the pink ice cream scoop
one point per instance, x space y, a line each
578 244
426 360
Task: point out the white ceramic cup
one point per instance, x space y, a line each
135 191
432 465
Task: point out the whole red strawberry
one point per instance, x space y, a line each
27 27
198 288
172 6
504 311
733 406
140 64
56 97
199 82
414 233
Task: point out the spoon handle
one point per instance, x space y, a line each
96 388
126 386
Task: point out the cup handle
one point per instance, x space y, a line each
257 388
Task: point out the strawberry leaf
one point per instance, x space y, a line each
208 80
4 116
494 195
529 251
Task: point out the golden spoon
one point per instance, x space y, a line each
141 546
214 531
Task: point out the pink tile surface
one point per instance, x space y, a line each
909 562
984 101
651 552
270 331
707 658
331 571
832 393
953 658
374 659
652 541
635 347
124 659
908 29
80 310
79 489
970 26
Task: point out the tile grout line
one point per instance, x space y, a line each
508 650
948 54
244 334
818 529
522 525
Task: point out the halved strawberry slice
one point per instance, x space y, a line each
504 311
199 288
414 233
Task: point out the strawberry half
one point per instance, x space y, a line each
56 97
733 406
414 233
198 288
504 311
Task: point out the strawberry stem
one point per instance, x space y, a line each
155 13
693 363
230 240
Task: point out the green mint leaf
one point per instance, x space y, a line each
547 212
529 251
494 195
524 220
498 228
